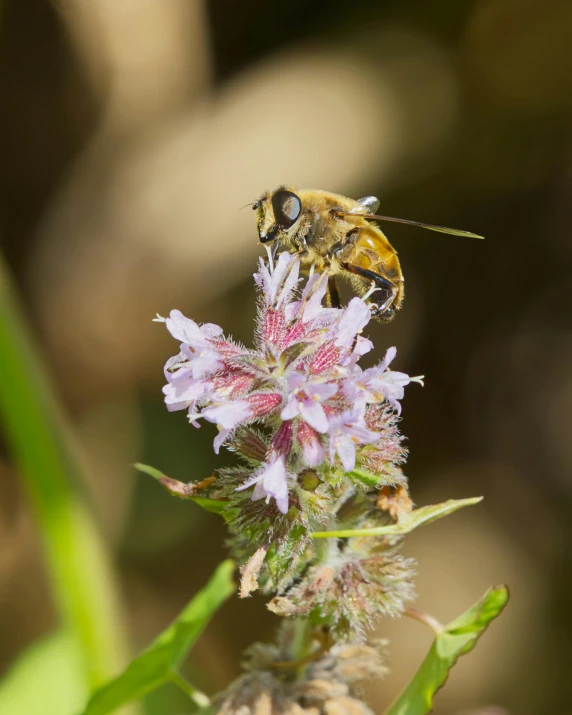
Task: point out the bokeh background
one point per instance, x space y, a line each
133 131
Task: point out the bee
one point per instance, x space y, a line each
334 234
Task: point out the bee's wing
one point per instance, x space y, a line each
368 204
430 227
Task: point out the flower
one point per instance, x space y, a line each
304 400
198 346
300 414
353 320
277 283
271 482
345 432
309 439
301 381
378 383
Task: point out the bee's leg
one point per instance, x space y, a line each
385 288
333 294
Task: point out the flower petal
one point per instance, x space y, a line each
346 449
219 440
181 328
355 317
291 409
313 413
228 414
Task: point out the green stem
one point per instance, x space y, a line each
41 446
197 696
435 625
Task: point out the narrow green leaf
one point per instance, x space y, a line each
44 450
151 471
457 638
46 678
158 663
184 491
406 522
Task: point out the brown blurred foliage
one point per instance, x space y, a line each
132 133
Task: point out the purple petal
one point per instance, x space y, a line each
228 415
276 484
362 346
183 392
254 479
176 367
282 501
262 277
296 380
291 409
388 359
258 492
281 269
354 318
220 439
313 413
210 330
312 452
346 450
205 363
289 284
274 477
270 283
363 435
271 481
313 295
323 391
184 329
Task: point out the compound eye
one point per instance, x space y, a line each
287 208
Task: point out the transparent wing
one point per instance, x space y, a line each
430 227
368 204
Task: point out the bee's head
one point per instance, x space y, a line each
278 214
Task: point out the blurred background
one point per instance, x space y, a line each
133 131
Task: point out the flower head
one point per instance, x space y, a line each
294 405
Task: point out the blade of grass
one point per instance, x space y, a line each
41 446
159 663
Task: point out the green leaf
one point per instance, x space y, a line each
371 480
46 678
158 664
406 523
151 471
365 477
457 638
184 491
42 445
216 506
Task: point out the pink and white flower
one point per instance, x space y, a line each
301 380
305 398
378 383
346 432
271 483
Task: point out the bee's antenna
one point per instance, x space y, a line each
245 205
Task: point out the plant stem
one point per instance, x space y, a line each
39 440
425 618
